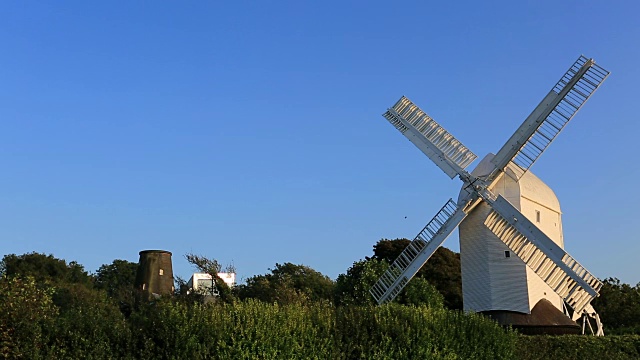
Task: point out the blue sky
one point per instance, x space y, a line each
251 132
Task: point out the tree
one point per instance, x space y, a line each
44 268
288 283
353 287
442 270
89 325
26 309
619 306
118 276
212 267
420 292
117 280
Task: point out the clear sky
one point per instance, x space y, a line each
251 132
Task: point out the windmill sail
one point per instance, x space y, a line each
558 269
550 116
431 138
417 253
547 260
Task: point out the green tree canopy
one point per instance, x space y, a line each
352 288
26 309
288 283
118 279
44 268
619 306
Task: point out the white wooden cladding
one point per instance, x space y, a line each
558 269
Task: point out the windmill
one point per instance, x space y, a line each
504 209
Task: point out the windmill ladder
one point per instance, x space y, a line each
419 250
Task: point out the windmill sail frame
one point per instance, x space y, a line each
432 139
561 272
546 121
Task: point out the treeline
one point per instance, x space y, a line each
56 310
51 309
93 328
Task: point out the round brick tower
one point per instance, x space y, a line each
155 273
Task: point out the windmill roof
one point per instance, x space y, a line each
532 188
529 186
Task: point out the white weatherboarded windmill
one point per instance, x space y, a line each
504 209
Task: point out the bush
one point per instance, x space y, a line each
89 326
404 332
25 311
245 330
255 330
66 322
578 347
352 288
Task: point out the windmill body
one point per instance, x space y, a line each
511 243
493 278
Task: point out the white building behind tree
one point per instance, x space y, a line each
203 283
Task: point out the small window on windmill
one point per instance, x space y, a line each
507 254
161 272
537 216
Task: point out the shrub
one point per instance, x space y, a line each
89 326
246 330
25 311
578 347
405 332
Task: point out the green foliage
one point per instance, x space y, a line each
208 265
442 270
118 279
619 307
66 320
44 268
353 287
420 292
89 325
257 330
51 310
60 315
26 310
288 284
578 347
405 332
244 330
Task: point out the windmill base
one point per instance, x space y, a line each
544 319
